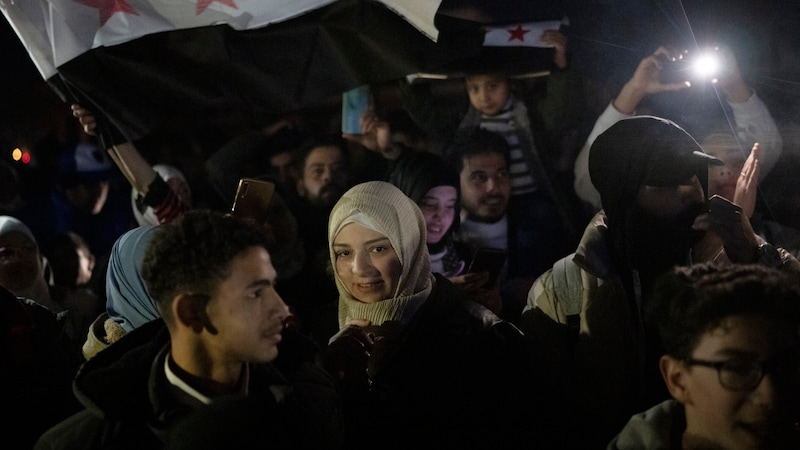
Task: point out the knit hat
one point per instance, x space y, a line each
639 151
397 217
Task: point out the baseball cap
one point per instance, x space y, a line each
644 150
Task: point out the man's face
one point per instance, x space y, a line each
488 93
658 229
721 417
485 187
672 201
246 311
325 176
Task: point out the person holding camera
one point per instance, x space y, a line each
753 122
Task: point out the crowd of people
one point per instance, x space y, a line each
649 300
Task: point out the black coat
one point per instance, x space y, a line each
455 377
131 405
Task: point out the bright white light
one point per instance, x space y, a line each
706 66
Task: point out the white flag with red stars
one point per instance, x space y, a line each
56 31
520 34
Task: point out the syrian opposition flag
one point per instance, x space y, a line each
520 34
138 62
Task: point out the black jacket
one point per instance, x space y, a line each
456 376
130 404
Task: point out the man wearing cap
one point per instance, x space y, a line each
87 197
586 311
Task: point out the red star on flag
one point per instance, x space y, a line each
517 33
202 5
109 7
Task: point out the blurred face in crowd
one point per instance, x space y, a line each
722 179
735 407
658 228
86 262
488 93
20 265
485 187
246 311
89 197
366 263
282 164
438 206
325 176
673 201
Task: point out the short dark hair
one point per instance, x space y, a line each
193 253
690 301
473 141
301 152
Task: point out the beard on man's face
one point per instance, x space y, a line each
327 196
657 242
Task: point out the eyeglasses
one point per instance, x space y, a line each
738 375
13 254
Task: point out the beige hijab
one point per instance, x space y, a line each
388 211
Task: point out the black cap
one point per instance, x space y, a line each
644 150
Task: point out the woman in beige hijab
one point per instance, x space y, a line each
415 360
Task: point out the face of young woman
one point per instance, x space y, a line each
438 206
366 263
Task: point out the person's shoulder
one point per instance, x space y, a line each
80 430
652 428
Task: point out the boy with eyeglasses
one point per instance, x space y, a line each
730 340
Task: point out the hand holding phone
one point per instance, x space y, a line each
253 198
489 260
723 211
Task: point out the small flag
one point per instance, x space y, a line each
520 34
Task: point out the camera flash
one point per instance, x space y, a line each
706 66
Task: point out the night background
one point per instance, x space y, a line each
607 40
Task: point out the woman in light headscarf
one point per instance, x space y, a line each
413 358
24 272
435 187
22 266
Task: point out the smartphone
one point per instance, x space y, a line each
253 198
722 210
489 260
354 103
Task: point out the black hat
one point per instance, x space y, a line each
644 150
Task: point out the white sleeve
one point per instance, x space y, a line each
583 184
754 123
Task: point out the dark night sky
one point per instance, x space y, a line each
608 38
